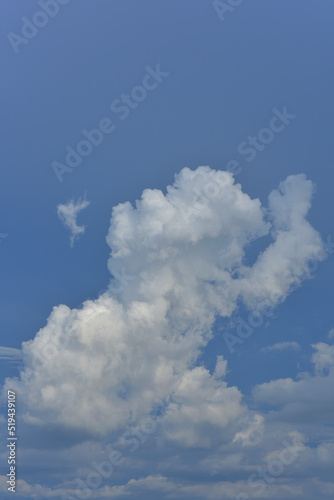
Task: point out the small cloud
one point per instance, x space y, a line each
253 433
68 215
281 346
323 358
221 367
331 333
10 353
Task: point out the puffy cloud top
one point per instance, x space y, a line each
177 261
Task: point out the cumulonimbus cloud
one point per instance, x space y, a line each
185 253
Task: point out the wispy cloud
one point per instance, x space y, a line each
68 215
281 346
331 333
10 353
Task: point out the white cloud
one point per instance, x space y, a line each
201 401
323 358
253 433
161 486
10 353
281 346
68 215
111 359
305 398
331 333
284 263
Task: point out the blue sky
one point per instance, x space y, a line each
251 87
